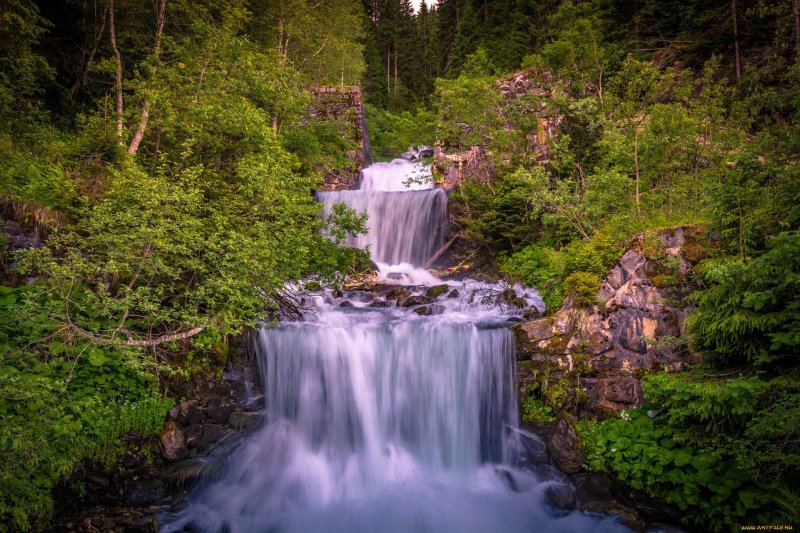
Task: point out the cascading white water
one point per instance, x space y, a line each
382 416
407 217
404 227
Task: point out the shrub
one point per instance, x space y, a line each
582 287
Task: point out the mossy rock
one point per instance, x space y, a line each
437 290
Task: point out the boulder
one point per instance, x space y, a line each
437 290
561 495
413 300
245 420
172 442
424 151
563 443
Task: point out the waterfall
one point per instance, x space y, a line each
385 416
404 227
406 220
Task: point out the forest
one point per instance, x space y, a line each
157 180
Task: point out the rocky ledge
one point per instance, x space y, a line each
156 473
636 325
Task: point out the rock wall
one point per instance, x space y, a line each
600 352
344 105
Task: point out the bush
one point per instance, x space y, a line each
720 450
62 401
582 288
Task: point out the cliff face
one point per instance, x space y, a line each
345 107
598 354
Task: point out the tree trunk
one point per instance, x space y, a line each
112 32
160 22
636 168
80 80
395 71
796 12
388 70
737 61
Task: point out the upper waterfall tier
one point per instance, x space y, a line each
404 227
398 175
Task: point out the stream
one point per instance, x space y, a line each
390 410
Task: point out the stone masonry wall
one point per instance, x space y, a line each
344 105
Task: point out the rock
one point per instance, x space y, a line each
437 290
218 414
624 389
247 421
563 443
423 311
561 495
184 413
133 459
424 151
410 301
313 286
380 304
346 303
192 433
213 433
453 294
144 492
172 442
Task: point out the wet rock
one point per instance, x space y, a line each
218 414
380 304
313 286
412 300
531 313
192 433
453 294
561 495
423 311
247 421
144 492
213 433
508 478
133 459
534 450
437 290
184 413
424 151
563 443
172 442
346 303
396 294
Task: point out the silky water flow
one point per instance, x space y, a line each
378 419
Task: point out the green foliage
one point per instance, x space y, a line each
392 133
582 287
716 448
468 111
751 311
534 411
62 401
539 266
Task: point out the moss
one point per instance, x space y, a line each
664 280
437 290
